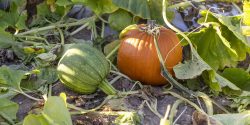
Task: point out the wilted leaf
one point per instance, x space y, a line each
47 57
190 69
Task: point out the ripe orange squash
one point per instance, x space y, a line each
137 55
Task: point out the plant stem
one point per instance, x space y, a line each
174 110
33 37
79 29
113 51
83 111
80 22
61 36
166 74
186 100
107 88
103 20
120 74
23 93
103 29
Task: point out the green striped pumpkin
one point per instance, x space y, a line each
84 69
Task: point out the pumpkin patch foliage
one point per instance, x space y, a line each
124 62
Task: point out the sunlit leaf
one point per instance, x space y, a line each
55 112
8 108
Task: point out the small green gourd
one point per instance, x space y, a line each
84 69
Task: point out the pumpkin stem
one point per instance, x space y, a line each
151 28
107 88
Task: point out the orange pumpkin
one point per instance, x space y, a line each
137 55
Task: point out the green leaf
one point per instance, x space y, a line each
49 74
233 119
63 2
99 6
146 9
239 77
10 77
8 109
213 48
137 7
35 120
217 82
194 67
46 75
120 19
155 7
15 17
55 112
230 25
6 39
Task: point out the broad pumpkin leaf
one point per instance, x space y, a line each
231 30
213 48
8 109
6 39
233 119
11 78
239 77
137 7
55 112
217 82
155 7
52 12
15 17
32 119
99 6
197 66
120 19
146 9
